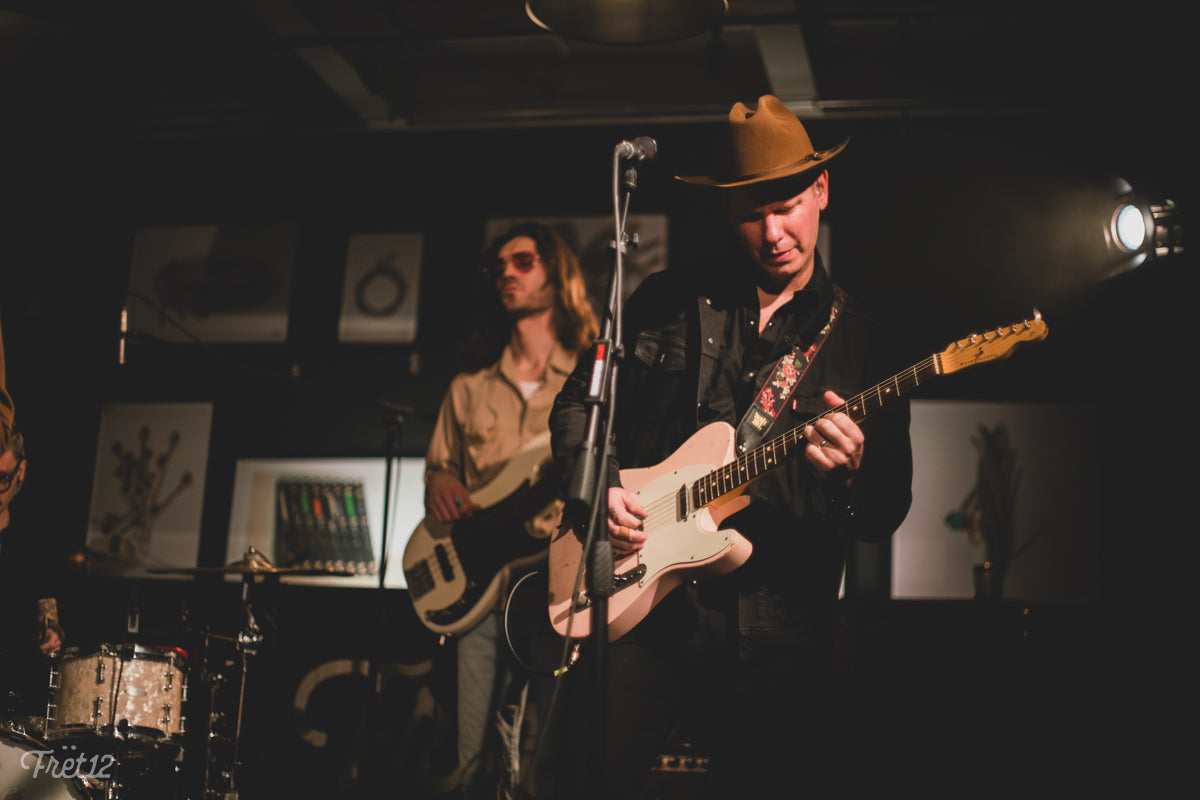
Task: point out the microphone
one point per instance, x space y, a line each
643 147
124 329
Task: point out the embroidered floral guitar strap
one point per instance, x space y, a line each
782 381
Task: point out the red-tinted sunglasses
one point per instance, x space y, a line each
522 261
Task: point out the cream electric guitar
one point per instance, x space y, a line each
456 572
688 495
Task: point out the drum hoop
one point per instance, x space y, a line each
75 786
130 652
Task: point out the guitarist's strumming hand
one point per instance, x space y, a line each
834 441
446 498
625 515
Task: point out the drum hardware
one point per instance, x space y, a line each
254 568
213 681
133 694
252 564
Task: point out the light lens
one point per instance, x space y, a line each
1129 226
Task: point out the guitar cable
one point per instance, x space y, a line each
570 653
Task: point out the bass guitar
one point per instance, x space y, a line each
688 495
457 572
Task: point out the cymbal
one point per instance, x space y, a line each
253 563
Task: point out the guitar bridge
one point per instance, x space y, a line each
627 579
620 581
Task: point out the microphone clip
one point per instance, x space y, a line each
641 148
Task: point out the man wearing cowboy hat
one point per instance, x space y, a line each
740 666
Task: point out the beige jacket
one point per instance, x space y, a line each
484 419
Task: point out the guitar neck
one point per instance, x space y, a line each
968 352
769 455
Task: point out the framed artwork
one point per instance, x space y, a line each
379 300
148 488
591 239
326 513
212 283
1001 481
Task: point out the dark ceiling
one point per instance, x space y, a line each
208 67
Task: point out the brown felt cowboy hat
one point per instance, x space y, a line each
763 144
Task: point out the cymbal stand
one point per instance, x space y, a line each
248 640
214 681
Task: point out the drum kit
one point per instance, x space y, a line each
116 719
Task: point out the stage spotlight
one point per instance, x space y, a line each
627 22
1142 229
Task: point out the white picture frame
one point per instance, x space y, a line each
253 514
1056 500
382 288
211 284
148 488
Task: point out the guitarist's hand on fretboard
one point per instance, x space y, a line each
446 498
834 441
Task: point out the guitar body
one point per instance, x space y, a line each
679 547
458 572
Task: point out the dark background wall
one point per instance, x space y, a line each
946 226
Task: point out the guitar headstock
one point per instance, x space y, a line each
991 346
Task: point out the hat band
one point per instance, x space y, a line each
810 157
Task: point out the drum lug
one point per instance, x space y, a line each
98 707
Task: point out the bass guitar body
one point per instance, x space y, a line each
457 572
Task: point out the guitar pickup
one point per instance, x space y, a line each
443 560
420 579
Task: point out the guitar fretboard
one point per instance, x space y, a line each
769 455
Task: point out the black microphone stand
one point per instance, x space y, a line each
589 488
394 423
394 435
